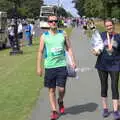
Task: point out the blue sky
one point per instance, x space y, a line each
67 5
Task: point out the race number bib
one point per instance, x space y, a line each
56 51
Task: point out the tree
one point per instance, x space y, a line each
5 5
98 8
62 12
93 8
115 12
32 8
79 6
25 7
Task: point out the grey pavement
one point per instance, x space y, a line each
82 100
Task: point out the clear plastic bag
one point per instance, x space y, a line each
97 42
71 72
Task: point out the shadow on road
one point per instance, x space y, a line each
89 107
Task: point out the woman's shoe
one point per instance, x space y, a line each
105 113
116 115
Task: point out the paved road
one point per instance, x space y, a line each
82 100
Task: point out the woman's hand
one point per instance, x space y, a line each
110 49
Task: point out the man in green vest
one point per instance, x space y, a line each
53 45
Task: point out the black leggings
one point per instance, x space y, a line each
103 75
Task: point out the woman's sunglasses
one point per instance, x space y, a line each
51 21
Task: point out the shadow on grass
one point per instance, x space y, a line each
77 109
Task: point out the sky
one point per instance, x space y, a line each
66 4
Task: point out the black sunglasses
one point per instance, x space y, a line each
51 21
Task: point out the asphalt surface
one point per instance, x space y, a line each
82 100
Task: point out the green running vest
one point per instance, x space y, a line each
54 50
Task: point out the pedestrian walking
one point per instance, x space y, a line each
53 44
20 33
32 32
108 63
91 24
77 22
11 34
28 34
85 27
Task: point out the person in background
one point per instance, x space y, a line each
91 24
108 63
53 44
20 33
85 24
11 34
77 22
32 32
28 33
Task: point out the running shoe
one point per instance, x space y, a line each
116 115
54 115
61 107
105 113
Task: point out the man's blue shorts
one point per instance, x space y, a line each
55 77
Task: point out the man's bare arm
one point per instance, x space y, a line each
39 56
69 50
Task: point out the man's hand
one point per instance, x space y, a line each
73 65
39 71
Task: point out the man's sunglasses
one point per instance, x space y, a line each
51 21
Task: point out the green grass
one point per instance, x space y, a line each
68 30
19 84
100 28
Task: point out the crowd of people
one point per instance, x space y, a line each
85 23
26 28
25 32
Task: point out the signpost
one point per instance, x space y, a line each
16 48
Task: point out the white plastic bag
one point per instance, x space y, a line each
97 42
71 72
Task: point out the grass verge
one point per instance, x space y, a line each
19 84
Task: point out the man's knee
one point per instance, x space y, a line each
52 90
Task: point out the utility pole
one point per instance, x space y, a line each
58 8
58 3
15 48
